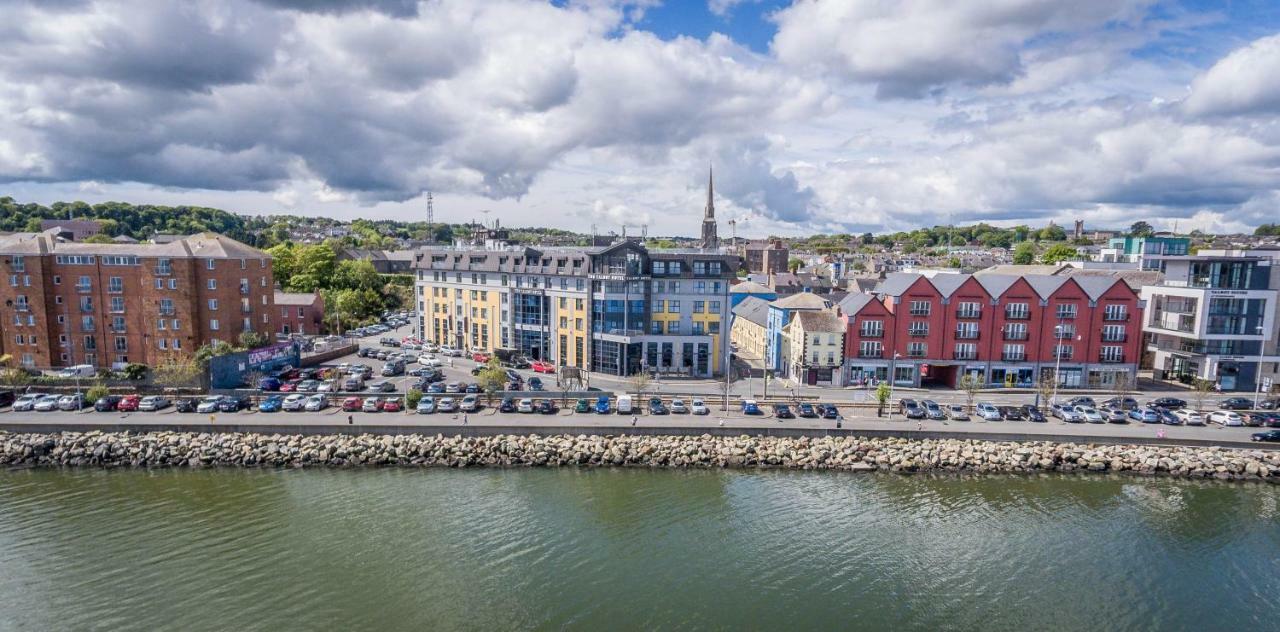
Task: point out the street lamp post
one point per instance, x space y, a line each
893 377
1257 379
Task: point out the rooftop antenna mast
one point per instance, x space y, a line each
431 210
644 232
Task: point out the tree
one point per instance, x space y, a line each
1140 229
1045 387
954 262
1203 388
251 340
207 352
411 399
96 392
178 372
882 397
135 371
1058 253
1266 230
970 384
794 264
639 382
492 379
99 238
1053 232
10 375
1024 253
355 274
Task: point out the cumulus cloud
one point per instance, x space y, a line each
911 48
1243 82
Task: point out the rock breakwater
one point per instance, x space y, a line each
858 454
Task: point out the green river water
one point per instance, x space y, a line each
608 549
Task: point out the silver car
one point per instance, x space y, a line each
27 402
153 403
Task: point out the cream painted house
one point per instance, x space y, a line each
813 347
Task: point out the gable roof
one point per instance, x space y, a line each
996 284
947 284
802 300
895 283
751 287
1045 284
823 321
854 302
1096 286
753 309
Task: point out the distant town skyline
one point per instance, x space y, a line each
820 116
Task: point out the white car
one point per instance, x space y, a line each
328 386
451 352
70 402
430 360
699 407
294 402
316 402
957 413
371 405
678 407
1224 417
1091 415
209 404
988 411
152 403
1189 417
27 402
470 403
524 406
430 348
46 403
447 405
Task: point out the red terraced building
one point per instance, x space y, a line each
1005 330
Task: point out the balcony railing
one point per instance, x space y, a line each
1113 317
875 333
966 334
163 270
84 289
244 289
1064 334
1066 315
1111 359
964 355
1013 357
1017 314
917 333
968 313
86 308
870 355
1062 355
919 312
915 354
118 330
1015 335
1114 337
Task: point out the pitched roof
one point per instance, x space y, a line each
1022 269
996 284
823 321
855 302
947 284
895 283
802 300
1135 278
295 298
1045 284
1096 286
754 309
203 245
750 287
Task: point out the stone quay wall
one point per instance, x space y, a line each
855 454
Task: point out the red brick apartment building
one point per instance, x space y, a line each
300 313
64 303
1005 330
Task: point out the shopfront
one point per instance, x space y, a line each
1012 377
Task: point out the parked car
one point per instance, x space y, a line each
1269 404
1066 413
602 405
535 384
583 405
699 407
1270 436
392 405
932 410
1190 417
453 387
107 404
153 403
27 402
805 409
385 386
1124 403
436 388
129 403
1082 401
72 402
1090 414
207 405
470 403
46 403
1144 415
1011 413
1236 403
480 358
234 403
1172 403
271 404
453 353
294 403
269 384
678 406
656 407
352 404
447 405
1167 417
987 411
782 411
371 405
749 407
316 402
540 366
829 411
426 406
1033 414
1114 414
1254 419
524 405
957 413
186 404
623 404
394 368
911 409
1226 418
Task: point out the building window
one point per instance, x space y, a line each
919 308
969 310
115 284
918 328
1116 312
117 303
1066 311
966 351
872 329
870 349
967 331
121 343
213 284
1017 311
1112 353
166 306
213 304
673 307
173 284
673 327
1015 331
917 349
208 263
1014 353
213 324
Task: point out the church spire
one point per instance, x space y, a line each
709 237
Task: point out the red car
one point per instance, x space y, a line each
352 404
539 366
391 406
290 374
480 357
130 402
290 386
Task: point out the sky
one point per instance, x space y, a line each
817 116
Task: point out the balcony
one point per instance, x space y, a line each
1115 337
917 333
1066 315
1122 317
1064 334
1013 357
84 289
1174 321
916 353
871 355
1111 359
964 355
1062 355
968 313
966 334
162 270
246 310
1015 335
1017 314
244 290
168 311
117 330
88 309
919 312
871 333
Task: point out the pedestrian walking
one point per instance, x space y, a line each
722 423
451 362
919 425
464 419
633 421
350 420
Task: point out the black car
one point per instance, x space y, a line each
186 405
1082 401
107 404
1166 417
1172 403
806 410
656 407
1269 404
782 411
364 352
1032 413
547 407
1269 436
234 403
473 387
1011 413
508 405
911 409
1236 403
515 386
535 384
829 411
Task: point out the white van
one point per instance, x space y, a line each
79 370
624 404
